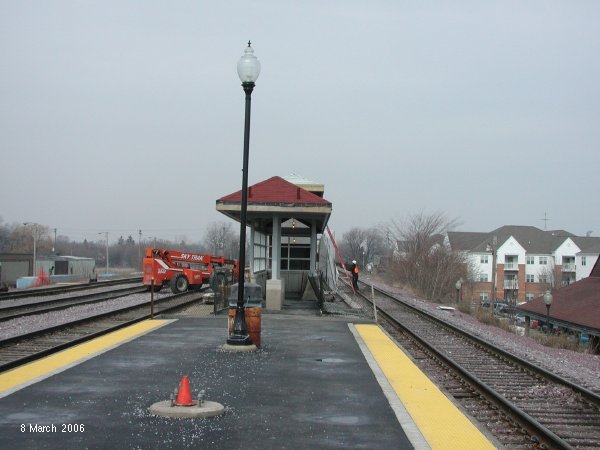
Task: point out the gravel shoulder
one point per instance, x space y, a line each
27 324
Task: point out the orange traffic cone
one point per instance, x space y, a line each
184 396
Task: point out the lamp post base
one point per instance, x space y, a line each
239 348
239 340
240 334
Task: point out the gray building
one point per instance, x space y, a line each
18 265
13 266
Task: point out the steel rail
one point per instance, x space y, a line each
41 307
28 337
588 394
33 292
528 422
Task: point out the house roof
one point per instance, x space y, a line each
588 244
467 241
277 196
533 239
577 303
275 191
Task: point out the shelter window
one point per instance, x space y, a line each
260 252
295 253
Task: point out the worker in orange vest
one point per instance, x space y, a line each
354 271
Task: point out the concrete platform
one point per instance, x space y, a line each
310 386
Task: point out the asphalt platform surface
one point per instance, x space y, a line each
308 387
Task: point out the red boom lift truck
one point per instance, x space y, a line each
183 270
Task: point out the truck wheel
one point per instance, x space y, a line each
179 283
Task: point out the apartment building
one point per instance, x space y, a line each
528 261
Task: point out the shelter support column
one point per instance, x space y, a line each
313 246
275 286
251 254
276 248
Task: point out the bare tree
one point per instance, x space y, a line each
23 237
221 240
362 245
423 262
351 244
551 276
5 241
18 238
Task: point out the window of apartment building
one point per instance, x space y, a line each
484 259
529 296
483 296
543 278
543 260
483 278
583 261
531 260
530 278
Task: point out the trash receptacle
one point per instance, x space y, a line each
252 307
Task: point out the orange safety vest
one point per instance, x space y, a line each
356 270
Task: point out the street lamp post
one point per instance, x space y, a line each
248 68
548 301
492 248
458 287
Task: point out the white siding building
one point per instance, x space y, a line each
528 260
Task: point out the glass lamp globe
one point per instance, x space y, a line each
248 66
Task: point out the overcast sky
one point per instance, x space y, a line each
125 115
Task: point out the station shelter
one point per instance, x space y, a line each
286 217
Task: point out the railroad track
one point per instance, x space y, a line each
55 290
20 309
28 347
523 405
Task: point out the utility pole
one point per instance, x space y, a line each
35 234
140 247
106 233
54 248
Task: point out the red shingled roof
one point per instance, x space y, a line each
578 303
276 190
